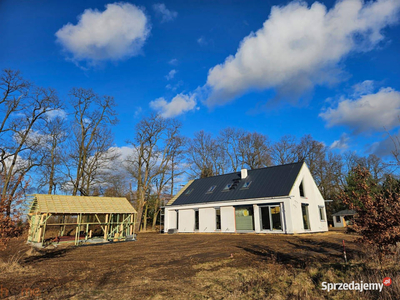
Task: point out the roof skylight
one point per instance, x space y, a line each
246 185
211 189
189 192
227 187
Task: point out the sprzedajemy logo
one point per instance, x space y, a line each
356 286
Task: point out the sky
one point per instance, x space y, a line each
329 69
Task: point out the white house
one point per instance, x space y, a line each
278 199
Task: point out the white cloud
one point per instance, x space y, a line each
363 88
173 62
386 147
57 113
202 41
178 105
377 111
114 34
164 13
138 112
342 143
171 74
299 47
175 86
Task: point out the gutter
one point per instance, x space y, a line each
226 201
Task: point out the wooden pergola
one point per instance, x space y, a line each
56 218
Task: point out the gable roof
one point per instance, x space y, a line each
80 204
265 182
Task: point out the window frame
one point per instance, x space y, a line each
216 219
196 224
301 189
322 215
188 192
248 185
227 187
211 189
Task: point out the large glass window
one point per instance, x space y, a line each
244 218
218 219
306 221
196 219
271 217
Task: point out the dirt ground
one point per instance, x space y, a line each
158 265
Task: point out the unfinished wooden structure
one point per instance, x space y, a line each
56 218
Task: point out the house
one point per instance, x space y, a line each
343 218
278 199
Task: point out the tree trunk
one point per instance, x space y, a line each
145 218
155 219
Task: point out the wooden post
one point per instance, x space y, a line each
78 228
106 227
131 227
40 227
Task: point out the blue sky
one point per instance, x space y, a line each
329 69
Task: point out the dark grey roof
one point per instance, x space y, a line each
265 182
346 212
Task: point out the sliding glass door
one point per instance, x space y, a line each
244 218
271 218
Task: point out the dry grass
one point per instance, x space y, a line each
190 266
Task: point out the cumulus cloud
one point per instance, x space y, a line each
342 143
299 47
372 112
180 104
116 33
164 13
171 74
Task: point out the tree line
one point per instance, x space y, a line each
53 146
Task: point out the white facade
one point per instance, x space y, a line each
291 214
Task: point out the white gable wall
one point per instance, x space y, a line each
313 198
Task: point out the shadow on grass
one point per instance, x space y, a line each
47 254
303 253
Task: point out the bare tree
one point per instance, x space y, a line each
206 156
55 132
92 139
284 151
229 140
24 109
153 144
254 150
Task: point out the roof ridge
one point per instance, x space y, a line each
251 170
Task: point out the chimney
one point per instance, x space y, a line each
243 173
